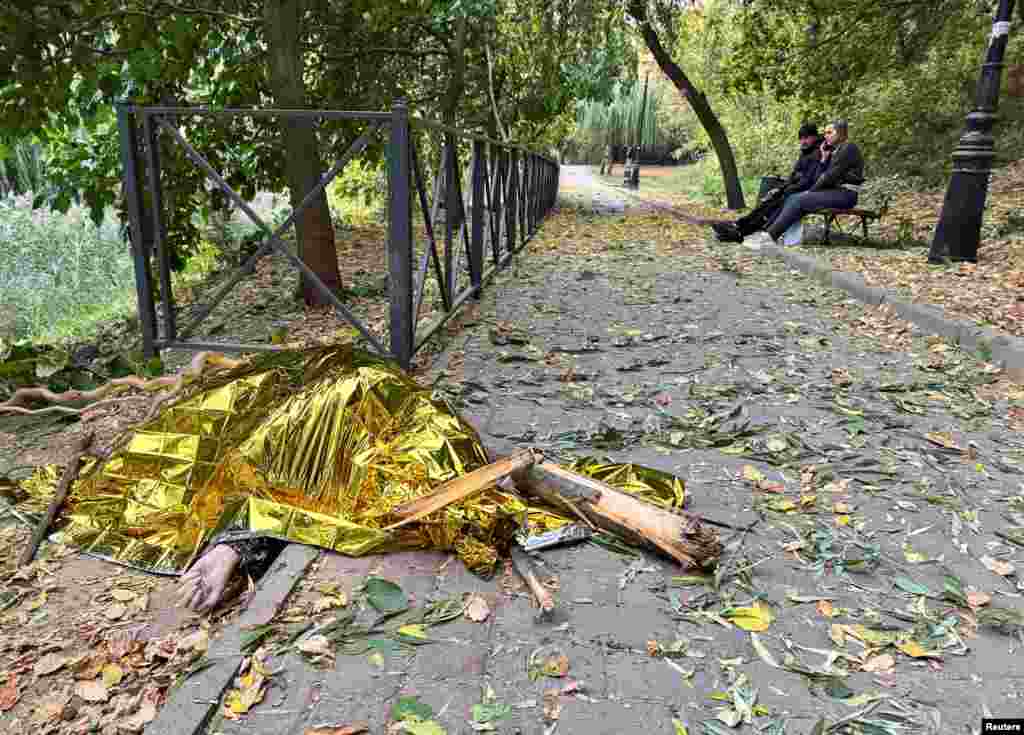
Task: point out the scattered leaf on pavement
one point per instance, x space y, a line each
1002 568
354 729
9 694
252 687
552 704
112 675
49 663
115 611
411 707
315 645
477 608
92 691
881 663
556 666
386 596
755 618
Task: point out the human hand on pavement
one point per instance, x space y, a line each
202 587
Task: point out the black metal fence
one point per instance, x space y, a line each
509 191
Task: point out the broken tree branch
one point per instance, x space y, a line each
80 447
461 488
679 534
524 566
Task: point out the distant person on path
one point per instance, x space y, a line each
837 187
805 173
608 162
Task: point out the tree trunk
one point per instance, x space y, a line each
303 168
698 103
457 71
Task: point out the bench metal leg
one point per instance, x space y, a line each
864 227
828 229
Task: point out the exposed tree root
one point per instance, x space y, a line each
202 362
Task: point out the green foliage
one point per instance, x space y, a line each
60 274
903 74
617 122
21 168
359 193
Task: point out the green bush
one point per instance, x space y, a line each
359 194
906 117
60 274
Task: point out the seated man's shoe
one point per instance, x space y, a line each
727 232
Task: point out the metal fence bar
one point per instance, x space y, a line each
267 112
512 200
357 147
497 202
219 346
140 248
159 233
400 244
449 218
464 233
275 242
476 249
429 252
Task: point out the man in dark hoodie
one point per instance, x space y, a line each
805 173
838 185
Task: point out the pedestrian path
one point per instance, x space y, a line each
866 473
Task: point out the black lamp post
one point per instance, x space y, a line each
959 228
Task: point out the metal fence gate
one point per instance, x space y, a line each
511 189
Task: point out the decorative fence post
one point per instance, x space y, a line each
476 242
170 331
400 237
140 248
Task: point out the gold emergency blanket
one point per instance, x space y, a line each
316 447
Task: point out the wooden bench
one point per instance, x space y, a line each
833 217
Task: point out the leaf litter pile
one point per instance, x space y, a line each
87 647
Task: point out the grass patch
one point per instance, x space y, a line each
700 182
60 274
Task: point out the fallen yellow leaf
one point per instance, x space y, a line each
413 631
112 675
916 650
756 618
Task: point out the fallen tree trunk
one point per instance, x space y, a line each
680 535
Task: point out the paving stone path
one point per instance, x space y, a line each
659 360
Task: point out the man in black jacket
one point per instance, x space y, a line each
805 173
838 185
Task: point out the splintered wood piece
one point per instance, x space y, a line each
80 447
461 488
524 566
679 534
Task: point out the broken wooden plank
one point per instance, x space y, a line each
679 534
461 488
79 448
524 566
